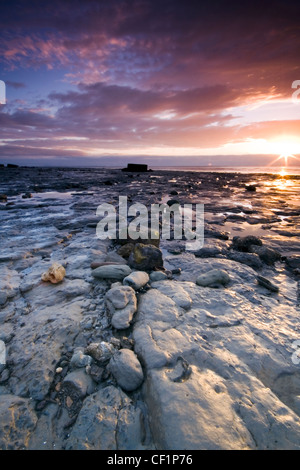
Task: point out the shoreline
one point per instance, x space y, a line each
224 338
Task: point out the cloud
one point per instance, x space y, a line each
145 74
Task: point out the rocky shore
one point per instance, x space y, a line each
110 345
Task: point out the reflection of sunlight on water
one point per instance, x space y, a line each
282 183
282 172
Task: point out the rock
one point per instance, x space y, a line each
2 353
4 375
158 276
145 257
97 373
208 252
3 198
172 202
126 369
114 258
55 327
9 282
174 192
79 382
121 303
250 187
112 271
267 284
213 278
211 233
245 243
125 250
79 359
3 297
267 255
55 273
108 420
17 422
293 261
250 259
96 264
101 352
174 292
136 280
27 196
176 271
206 404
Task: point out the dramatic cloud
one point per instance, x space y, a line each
142 74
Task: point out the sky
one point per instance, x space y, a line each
105 82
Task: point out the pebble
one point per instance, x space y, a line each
112 271
136 279
158 276
267 284
79 359
212 278
101 352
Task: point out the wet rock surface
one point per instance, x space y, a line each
161 363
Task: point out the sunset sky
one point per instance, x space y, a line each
163 82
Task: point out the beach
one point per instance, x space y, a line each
144 344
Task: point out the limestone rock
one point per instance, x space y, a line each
136 280
2 353
214 277
54 274
108 420
17 422
267 255
112 271
126 369
245 243
145 257
79 359
267 284
101 352
121 303
158 276
79 381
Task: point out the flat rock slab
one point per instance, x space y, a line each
108 420
18 421
230 392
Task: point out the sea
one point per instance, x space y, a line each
281 170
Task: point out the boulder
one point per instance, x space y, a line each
121 303
245 243
145 257
126 369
